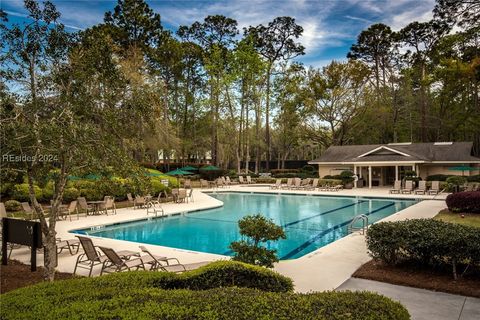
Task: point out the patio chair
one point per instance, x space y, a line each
277 184
82 203
190 195
156 201
68 211
240 180
422 187
130 199
91 257
397 187
181 195
109 204
168 197
187 184
114 263
28 210
229 181
312 186
408 187
203 183
139 202
296 184
288 185
164 263
435 189
249 180
73 245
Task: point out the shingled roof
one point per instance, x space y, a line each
404 152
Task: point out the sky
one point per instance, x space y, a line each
330 26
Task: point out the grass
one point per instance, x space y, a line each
468 219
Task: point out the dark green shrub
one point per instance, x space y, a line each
21 193
86 299
70 194
257 229
438 177
329 182
475 178
426 241
283 171
13 205
308 168
454 182
265 180
464 202
161 295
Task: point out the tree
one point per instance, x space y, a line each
133 23
465 13
79 108
275 42
258 230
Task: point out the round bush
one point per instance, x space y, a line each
464 202
70 194
142 295
13 205
21 192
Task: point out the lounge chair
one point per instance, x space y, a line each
203 183
114 263
422 187
190 195
28 210
82 203
277 184
73 245
230 182
240 180
337 187
435 189
312 186
408 187
139 202
130 199
68 211
296 184
181 196
164 263
397 187
288 185
91 257
249 180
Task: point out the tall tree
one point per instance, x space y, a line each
276 42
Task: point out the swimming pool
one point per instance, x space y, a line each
310 222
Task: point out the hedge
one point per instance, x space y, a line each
438 177
141 295
329 182
426 241
13 205
475 178
21 192
464 201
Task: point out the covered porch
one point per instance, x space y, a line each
372 175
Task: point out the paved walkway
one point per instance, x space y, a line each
422 304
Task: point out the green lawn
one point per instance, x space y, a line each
469 219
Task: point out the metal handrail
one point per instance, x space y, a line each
439 193
364 227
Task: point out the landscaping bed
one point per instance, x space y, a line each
412 275
18 275
468 219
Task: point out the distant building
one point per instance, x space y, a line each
382 164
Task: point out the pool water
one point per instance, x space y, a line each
310 222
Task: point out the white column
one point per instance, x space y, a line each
355 173
361 172
396 173
369 177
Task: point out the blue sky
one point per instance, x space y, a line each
330 26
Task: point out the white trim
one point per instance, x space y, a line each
369 162
383 147
467 161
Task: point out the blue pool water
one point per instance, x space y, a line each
310 222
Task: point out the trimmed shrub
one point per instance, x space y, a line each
70 194
426 241
438 177
13 205
454 182
265 180
329 182
21 193
141 295
283 171
308 168
464 201
475 178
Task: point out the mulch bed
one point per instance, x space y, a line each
413 276
17 275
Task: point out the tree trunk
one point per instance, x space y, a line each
267 118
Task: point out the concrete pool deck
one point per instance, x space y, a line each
324 269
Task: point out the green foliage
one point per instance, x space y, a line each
464 202
475 178
70 194
13 205
438 177
456 180
257 229
329 182
158 295
426 241
22 194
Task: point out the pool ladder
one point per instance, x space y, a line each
351 226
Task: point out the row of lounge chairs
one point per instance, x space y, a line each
421 189
305 184
117 261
